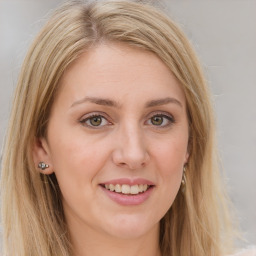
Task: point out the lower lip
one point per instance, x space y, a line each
128 199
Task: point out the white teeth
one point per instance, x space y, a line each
118 188
111 187
127 189
134 189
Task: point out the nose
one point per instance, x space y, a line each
130 148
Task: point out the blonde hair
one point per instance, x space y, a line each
32 214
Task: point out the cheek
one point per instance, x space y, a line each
77 164
76 159
170 158
170 153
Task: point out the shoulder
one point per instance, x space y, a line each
246 252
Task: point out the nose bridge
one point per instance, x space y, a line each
133 138
131 148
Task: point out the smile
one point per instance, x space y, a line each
127 189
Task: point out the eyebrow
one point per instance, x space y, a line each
98 101
111 103
164 101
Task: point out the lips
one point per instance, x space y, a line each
127 191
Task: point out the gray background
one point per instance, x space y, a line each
223 33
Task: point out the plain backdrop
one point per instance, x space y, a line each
223 33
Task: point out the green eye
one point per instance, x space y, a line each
161 120
95 121
157 120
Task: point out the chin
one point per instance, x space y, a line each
130 227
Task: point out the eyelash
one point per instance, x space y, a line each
166 118
90 117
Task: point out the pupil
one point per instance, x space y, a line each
157 120
95 121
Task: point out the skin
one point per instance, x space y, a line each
128 143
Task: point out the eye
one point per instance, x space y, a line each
157 120
161 120
95 121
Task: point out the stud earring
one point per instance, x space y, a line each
183 181
43 166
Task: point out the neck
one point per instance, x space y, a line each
87 242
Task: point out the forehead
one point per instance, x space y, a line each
118 71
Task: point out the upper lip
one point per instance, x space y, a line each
129 181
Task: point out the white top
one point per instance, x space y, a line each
246 252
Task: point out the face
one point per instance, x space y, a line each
117 141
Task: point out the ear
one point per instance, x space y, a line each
41 153
186 158
188 149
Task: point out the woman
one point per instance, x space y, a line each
110 148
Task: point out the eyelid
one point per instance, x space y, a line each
164 114
86 117
160 113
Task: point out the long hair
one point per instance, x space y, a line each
32 214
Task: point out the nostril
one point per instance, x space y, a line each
132 166
130 158
122 164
